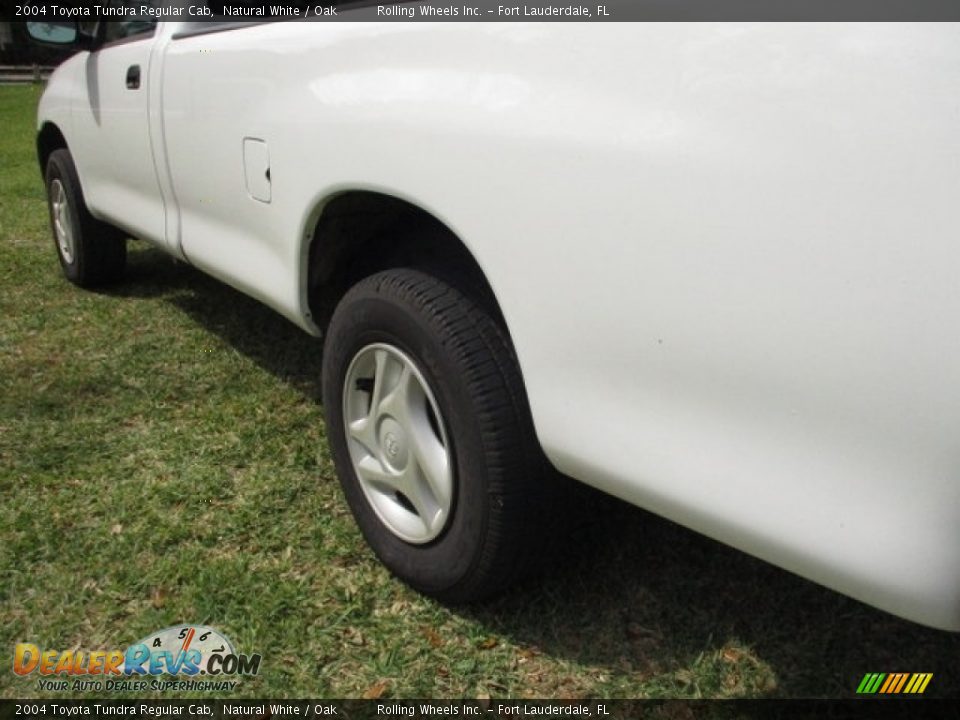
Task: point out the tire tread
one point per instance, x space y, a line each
521 497
101 252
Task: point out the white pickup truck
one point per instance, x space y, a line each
712 269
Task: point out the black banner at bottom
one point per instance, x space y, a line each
492 709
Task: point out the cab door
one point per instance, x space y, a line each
111 129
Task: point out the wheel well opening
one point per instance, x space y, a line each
48 139
360 233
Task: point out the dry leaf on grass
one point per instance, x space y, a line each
432 636
375 691
353 636
731 655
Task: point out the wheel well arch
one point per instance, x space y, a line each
361 232
49 138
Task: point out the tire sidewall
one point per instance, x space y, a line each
59 169
441 564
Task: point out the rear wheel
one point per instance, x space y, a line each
91 252
432 438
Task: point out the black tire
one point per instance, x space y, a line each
99 251
494 534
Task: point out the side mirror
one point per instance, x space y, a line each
61 34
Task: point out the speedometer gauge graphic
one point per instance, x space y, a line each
183 646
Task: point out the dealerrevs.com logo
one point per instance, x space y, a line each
191 657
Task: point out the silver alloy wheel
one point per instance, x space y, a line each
398 443
62 224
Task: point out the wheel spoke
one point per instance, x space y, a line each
397 403
61 220
361 431
372 471
433 463
380 358
397 443
415 488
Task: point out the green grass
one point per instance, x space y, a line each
162 460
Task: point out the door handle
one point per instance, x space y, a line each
133 77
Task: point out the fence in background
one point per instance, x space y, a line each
24 74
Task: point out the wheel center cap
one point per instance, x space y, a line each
393 441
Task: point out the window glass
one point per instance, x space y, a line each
129 23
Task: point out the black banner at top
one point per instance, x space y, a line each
480 10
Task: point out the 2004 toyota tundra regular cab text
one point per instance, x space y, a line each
708 268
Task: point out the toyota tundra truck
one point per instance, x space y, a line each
710 269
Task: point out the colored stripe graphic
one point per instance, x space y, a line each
903 679
894 683
918 683
891 680
870 683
